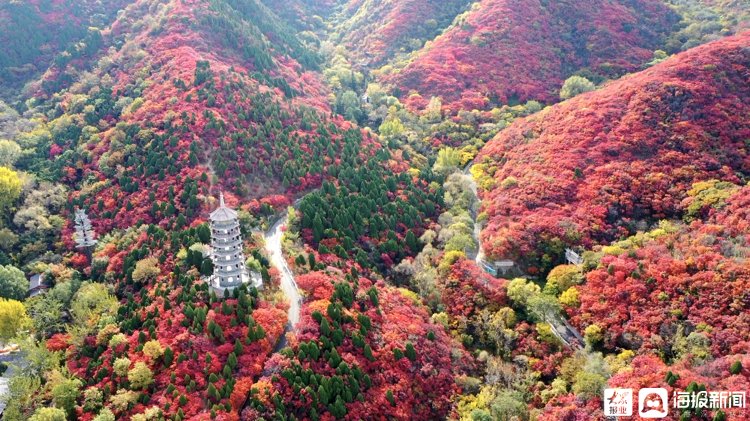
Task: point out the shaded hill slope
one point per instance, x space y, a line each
375 31
33 33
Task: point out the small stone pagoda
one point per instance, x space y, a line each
226 251
85 237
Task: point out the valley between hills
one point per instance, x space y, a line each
372 209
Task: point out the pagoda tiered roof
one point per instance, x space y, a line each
223 213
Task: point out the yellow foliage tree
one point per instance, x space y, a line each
121 366
123 398
153 413
146 269
105 334
392 127
10 187
569 298
448 160
13 319
520 290
593 334
544 330
140 376
705 194
153 349
563 277
93 308
483 175
449 258
48 414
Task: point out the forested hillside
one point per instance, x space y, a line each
407 196
195 90
500 51
696 337
375 31
181 100
34 33
617 159
306 15
707 20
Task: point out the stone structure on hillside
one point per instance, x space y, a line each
226 252
500 268
85 236
573 258
37 285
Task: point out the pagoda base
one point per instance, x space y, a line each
253 279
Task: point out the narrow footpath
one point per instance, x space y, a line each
288 284
560 326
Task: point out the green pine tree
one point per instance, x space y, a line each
212 392
338 409
325 328
323 396
397 354
411 241
168 357
411 354
207 267
317 228
390 398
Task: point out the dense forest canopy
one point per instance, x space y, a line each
461 210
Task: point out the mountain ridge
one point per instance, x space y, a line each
501 52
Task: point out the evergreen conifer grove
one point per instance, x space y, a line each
365 210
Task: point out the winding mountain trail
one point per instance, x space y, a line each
560 326
288 284
14 360
475 213
566 332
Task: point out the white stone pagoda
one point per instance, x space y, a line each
85 236
226 251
